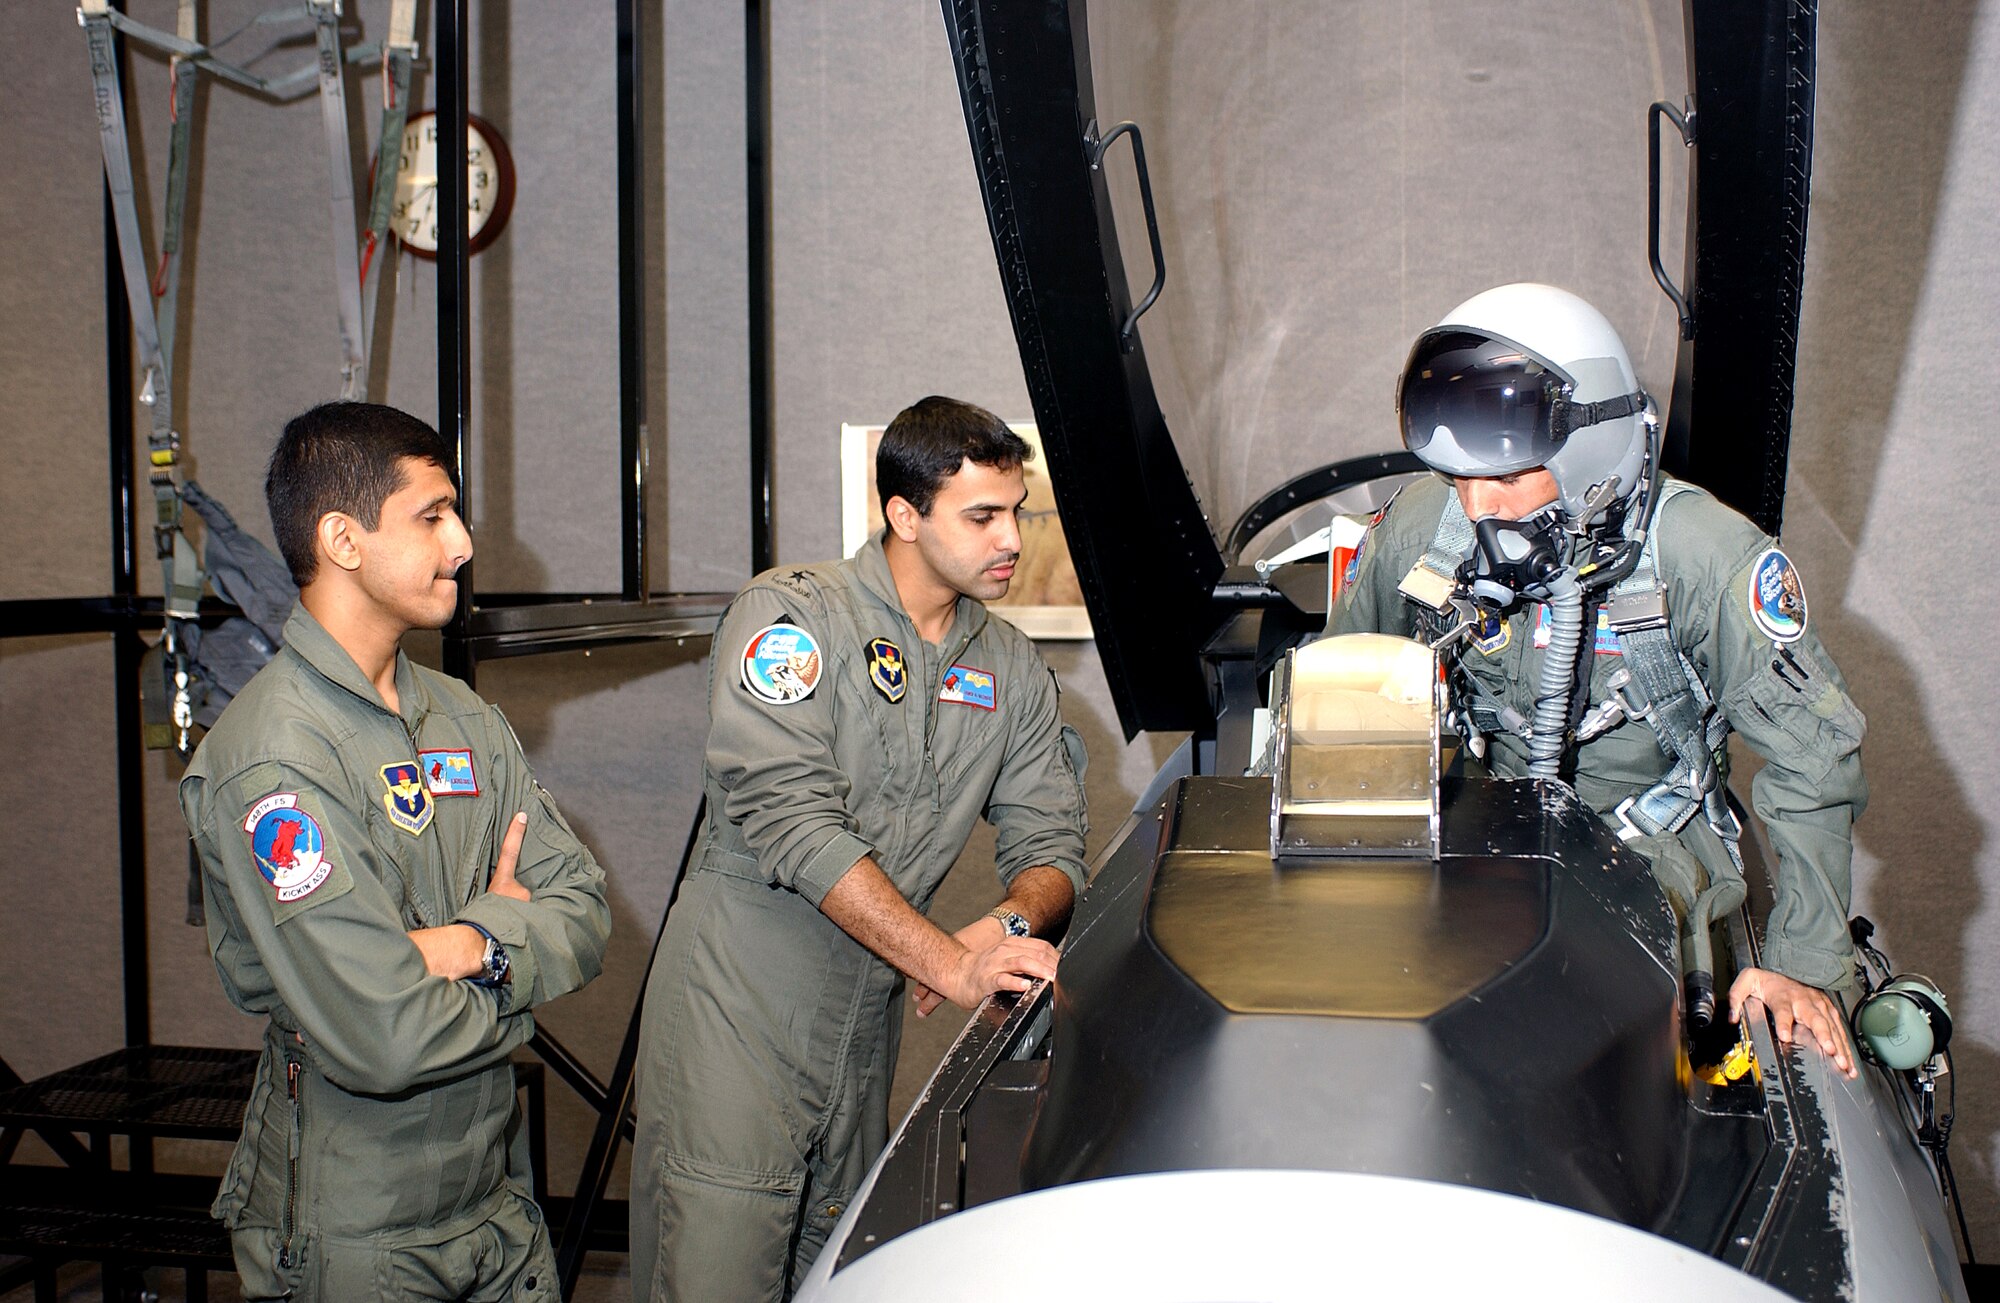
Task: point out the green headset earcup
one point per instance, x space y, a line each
1904 1023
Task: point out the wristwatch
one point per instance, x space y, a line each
1016 925
494 964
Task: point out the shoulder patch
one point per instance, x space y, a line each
407 799
1777 596
969 687
288 845
781 664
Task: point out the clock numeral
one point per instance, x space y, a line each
480 179
404 163
430 131
434 232
475 206
474 154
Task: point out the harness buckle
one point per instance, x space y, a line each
1627 830
1622 691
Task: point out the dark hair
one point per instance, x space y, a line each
344 457
930 439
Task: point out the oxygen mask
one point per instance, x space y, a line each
1512 559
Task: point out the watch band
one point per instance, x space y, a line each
1016 925
497 961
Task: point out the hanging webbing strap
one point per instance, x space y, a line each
340 200
399 56
152 326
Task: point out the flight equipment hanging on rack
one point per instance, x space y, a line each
173 667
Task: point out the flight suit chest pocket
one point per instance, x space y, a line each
960 756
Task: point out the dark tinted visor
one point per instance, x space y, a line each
1498 400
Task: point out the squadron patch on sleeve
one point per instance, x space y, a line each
407 800
288 846
781 664
449 773
969 687
885 669
1777 596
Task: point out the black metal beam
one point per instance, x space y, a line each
631 304
1729 423
454 302
127 647
763 349
1144 555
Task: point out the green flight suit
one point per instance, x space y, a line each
381 1155
1792 709
770 1035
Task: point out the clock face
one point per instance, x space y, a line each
489 185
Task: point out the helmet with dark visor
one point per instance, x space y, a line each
1479 404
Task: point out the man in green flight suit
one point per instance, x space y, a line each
388 885
863 715
1610 626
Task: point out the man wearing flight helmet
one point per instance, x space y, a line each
1609 625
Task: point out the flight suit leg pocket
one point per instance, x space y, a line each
724 1234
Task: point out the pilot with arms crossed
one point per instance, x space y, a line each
1608 625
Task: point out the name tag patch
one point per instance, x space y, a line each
407 800
1607 643
781 664
288 845
969 687
448 773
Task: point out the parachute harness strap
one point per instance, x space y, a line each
182 578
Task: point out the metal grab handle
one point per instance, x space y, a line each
1684 123
1097 146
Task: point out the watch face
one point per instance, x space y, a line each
488 184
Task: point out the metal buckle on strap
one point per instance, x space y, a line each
1627 830
1622 688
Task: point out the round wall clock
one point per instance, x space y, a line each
489 184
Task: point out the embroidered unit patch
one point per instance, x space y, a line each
1777 596
1493 634
885 669
449 773
408 801
288 846
781 664
969 687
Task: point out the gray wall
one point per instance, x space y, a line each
1332 178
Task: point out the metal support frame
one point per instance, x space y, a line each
757 145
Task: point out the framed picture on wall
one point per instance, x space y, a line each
1045 600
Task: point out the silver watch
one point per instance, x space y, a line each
1016 925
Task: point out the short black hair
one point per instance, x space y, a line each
930 439
344 457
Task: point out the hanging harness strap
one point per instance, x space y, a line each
152 326
340 192
399 56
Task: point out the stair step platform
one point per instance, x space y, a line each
186 1091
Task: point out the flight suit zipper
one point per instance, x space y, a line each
931 717
293 1148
